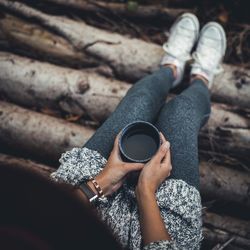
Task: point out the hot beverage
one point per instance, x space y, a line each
139 141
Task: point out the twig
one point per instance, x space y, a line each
221 247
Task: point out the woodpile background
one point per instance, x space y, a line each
66 64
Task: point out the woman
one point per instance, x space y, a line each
163 210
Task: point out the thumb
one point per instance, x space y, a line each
116 143
161 152
133 167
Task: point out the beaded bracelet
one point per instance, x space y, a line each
97 187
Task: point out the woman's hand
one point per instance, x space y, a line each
114 173
156 170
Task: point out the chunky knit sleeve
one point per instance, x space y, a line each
78 165
162 244
180 206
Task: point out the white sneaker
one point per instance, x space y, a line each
210 51
183 35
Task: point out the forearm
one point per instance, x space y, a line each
152 225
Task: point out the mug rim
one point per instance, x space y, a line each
126 128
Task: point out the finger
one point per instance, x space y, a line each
115 153
163 139
116 143
167 157
133 167
158 157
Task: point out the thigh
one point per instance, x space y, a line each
142 102
176 121
180 121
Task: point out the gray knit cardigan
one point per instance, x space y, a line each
179 203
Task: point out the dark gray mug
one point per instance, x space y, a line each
139 141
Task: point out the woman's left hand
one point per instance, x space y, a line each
156 170
115 172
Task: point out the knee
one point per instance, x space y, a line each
178 115
180 107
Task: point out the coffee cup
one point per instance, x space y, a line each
139 141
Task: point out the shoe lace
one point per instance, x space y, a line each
179 49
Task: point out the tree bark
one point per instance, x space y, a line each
32 83
223 183
35 84
38 135
129 58
229 224
33 40
226 132
12 162
125 9
217 235
47 138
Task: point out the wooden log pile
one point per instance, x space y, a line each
60 78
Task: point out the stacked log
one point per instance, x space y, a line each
230 87
85 73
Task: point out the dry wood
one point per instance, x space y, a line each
38 135
47 137
35 84
226 132
34 40
132 58
218 235
32 83
223 183
138 11
11 161
229 224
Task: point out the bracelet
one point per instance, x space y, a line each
97 187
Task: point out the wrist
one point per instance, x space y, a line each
143 187
144 191
103 183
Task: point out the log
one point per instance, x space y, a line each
35 41
47 138
38 135
130 58
226 223
12 162
218 235
124 9
226 132
31 83
223 183
25 82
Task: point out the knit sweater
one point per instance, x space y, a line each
179 204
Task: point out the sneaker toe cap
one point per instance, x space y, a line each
215 33
189 24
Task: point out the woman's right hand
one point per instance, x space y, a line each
115 172
156 170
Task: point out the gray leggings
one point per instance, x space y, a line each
179 120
